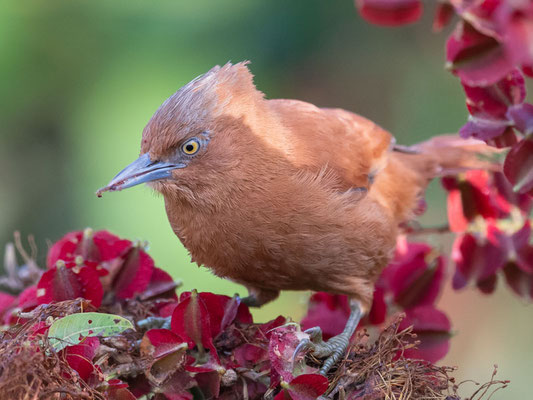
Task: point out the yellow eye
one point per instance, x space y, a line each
190 147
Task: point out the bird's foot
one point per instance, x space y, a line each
336 346
332 350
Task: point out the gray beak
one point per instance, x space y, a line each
142 170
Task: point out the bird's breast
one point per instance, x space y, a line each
293 239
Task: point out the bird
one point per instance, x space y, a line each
278 194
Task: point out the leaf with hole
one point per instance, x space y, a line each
72 329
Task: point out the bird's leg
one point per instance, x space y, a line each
258 297
335 347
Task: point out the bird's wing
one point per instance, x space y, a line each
355 148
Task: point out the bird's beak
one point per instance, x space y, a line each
142 170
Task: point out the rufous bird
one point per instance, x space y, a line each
282 195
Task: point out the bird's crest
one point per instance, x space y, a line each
197 103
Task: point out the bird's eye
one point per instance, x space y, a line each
190 147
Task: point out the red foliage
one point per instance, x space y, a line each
211 334
390 12
490 47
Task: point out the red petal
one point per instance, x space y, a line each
478 59
134 274
518 166
432 328
61 283
308 386
390 12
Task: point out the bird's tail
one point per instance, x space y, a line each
402 183
450 155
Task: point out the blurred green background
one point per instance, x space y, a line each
79 80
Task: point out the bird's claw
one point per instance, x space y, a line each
332 350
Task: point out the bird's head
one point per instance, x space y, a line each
192 139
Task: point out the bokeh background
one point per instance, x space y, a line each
79 80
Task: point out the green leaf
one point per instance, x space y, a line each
72 329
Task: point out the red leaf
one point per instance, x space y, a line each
94 247
283 342
478 59
519 248
432 329
456 216
160 343
27 300
329 312
191 321
507 197
64 249
167 351
390 12
250 355
119 394
522 117
415 277
161 286
520 282
307 386
6 301
80 356
478 258
516 21
134 274
494 100
109 246
489 107
443 16
209 384
472 195
378 311
518 166
61 283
